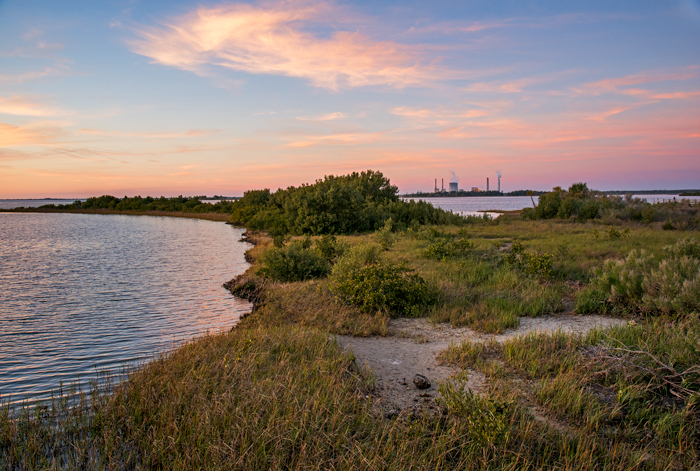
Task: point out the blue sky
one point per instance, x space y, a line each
219 97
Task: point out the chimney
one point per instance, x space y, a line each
443 185
487 183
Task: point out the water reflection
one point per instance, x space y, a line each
82 292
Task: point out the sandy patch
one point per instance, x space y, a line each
412 347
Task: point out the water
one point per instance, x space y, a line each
82 292
12 204
477 205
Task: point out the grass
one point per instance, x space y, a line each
277 392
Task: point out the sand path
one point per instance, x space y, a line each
412 346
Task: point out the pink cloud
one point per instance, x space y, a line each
273 38
27 106
341 138
614 84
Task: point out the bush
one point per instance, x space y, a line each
294 262
639 284
385 236
363 278
444 249
533 264
330 248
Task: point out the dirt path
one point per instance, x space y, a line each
413 344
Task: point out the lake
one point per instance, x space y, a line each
83 292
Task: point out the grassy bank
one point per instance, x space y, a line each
174 214
277 392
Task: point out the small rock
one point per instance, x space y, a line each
421 381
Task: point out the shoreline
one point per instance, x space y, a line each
224 217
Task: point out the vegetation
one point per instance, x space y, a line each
277 392
349 204
139 204
581 204
364 278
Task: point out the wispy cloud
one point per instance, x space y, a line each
150 135
275 38
341 138
614 84
12 135
28 106
325 117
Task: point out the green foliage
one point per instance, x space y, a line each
331 248
578 202
487 420
444 249
640 284
533 264
365 279
385 236
137 203
296 261
348 204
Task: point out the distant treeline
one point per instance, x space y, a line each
653 192
450 194
347 204
137 203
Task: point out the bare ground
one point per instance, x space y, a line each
412 345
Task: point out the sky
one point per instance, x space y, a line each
202 98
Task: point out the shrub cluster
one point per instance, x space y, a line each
640 284
299 261
531 263
362 277
452 248
578 202
581 204
348 204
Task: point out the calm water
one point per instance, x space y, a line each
469 205
81 292
12 204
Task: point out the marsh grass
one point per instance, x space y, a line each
278 392
635 387
287 398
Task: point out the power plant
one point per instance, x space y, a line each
453 185
454 182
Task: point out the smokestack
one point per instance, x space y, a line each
443 185
487 183
436 185
498 174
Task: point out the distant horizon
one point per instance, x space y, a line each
145 195
171 97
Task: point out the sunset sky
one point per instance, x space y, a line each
177 97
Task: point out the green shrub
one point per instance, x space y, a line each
639 284
533 264
385 236
443 249
487 420
363 278
294 262
331 248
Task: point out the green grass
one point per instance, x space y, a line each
277 392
